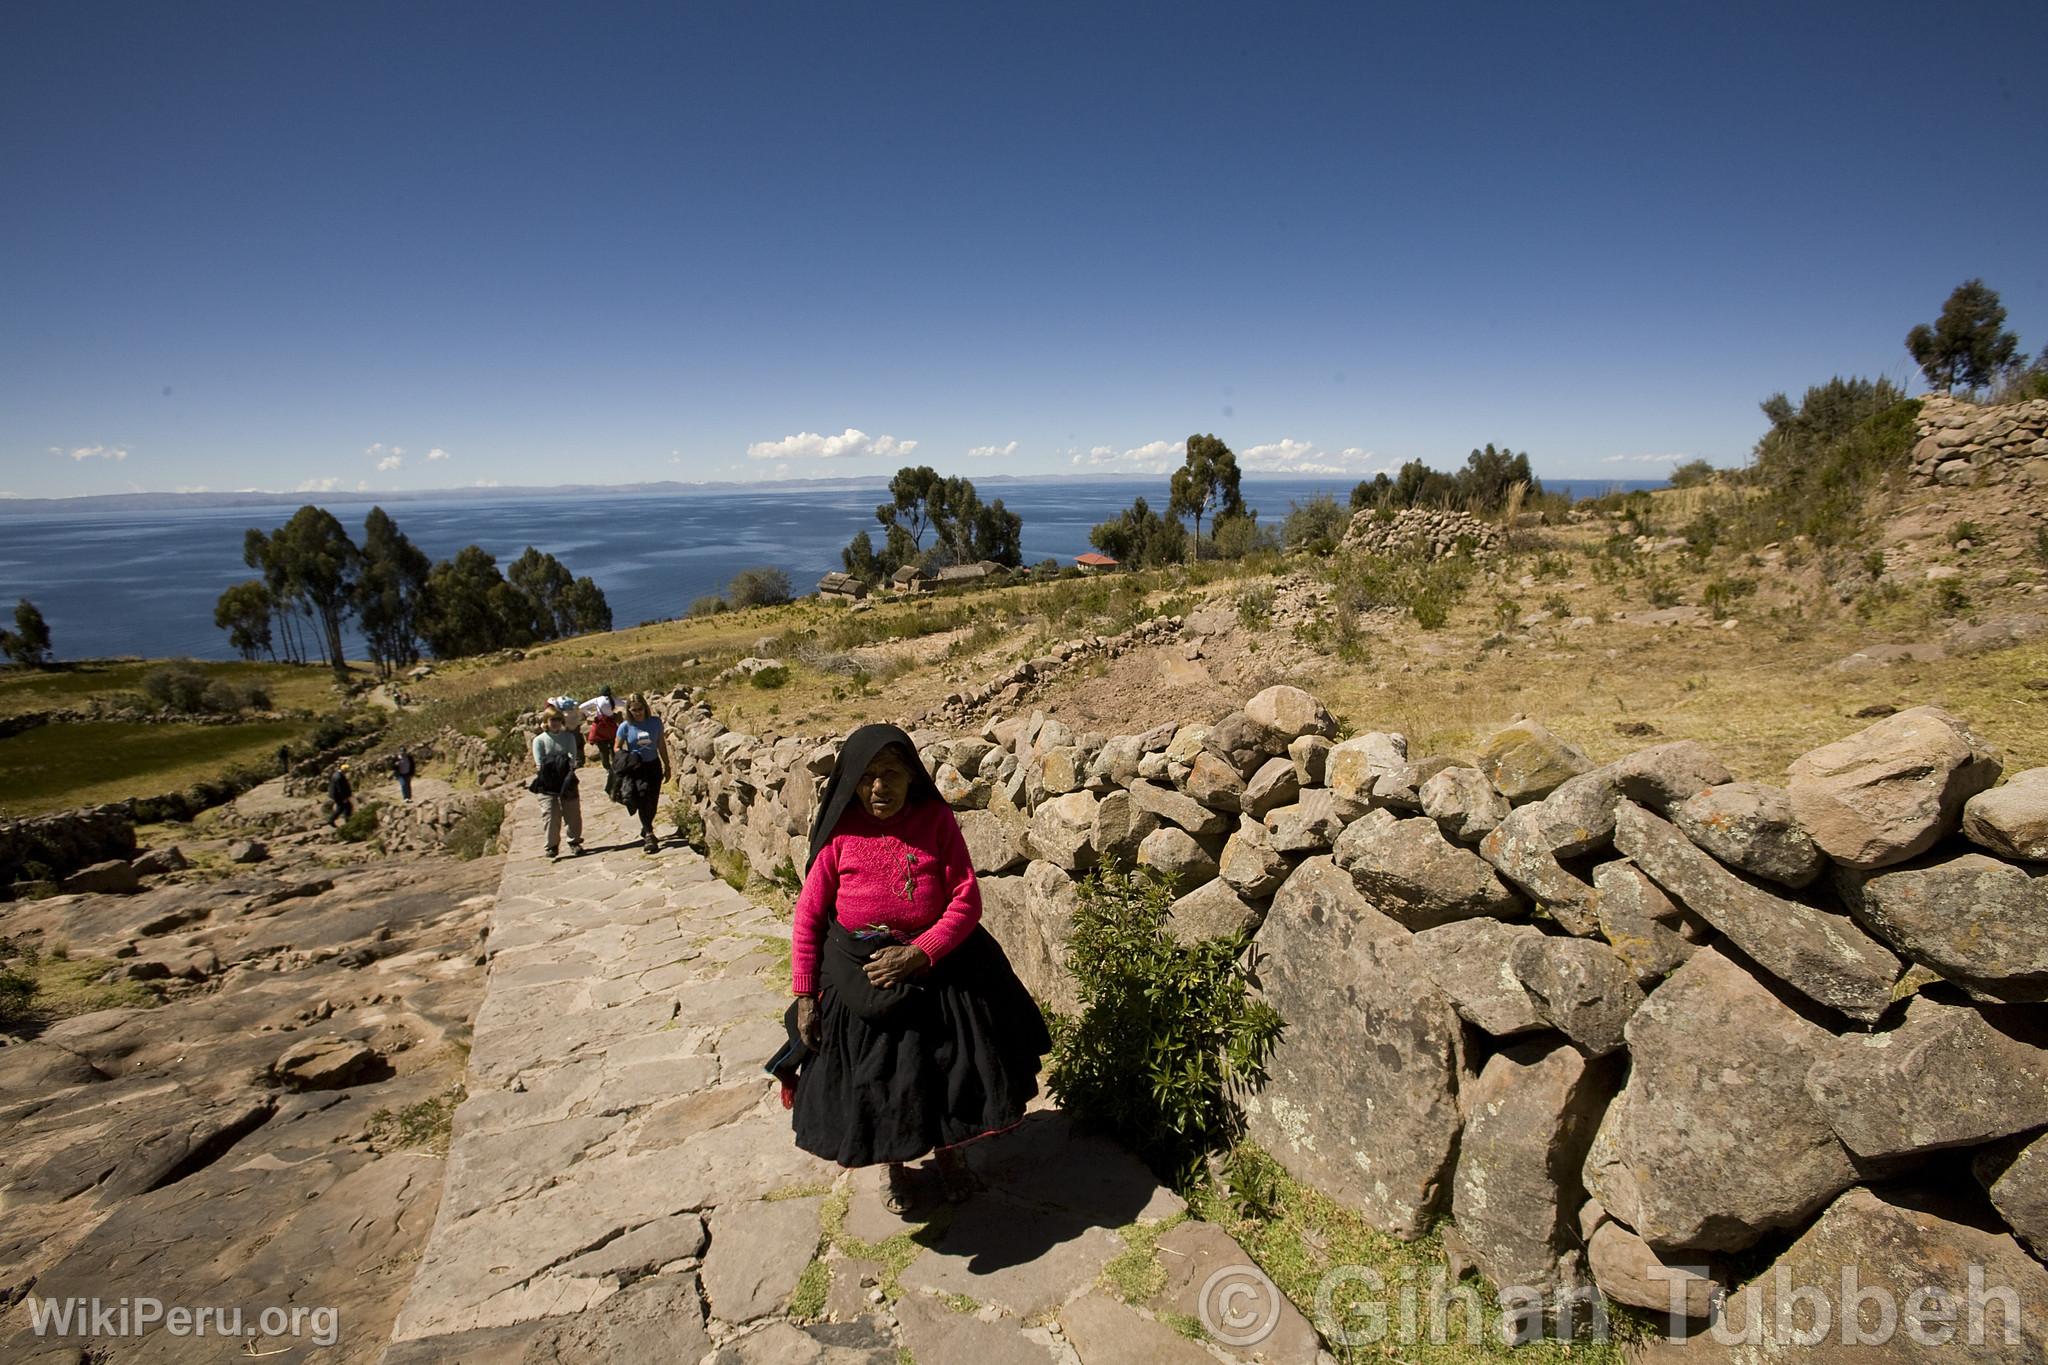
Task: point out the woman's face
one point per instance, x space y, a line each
885 786
555 721
636 712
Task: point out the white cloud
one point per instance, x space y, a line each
485 483
437 454
809 445
84 453
1289 456
1645 459
191 488
319 485
389 463
993 452
1154 457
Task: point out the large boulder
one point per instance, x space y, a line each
1215 783
2011 819
1580 986
2015 1176
1361 1100
1173 853
1914 1272
1750 827
115 877
1665 775
1120 826
1888 793
1409 870
1515 1197
1276 783
1577 818
1244 742
1714 1141
1250 863
1288 713
1354 766
1644 926
1311 757
1310 825
325 1063
995 842
1526 762
1820 954
1978 921
1629 1270
1520 849
1946 1077
1050 899
1464 804
1472 962
1173 808
1212 910
1063 831
1006 914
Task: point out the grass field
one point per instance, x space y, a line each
53 767
291 687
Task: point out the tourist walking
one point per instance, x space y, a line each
604 724
341 796
402 768
913 1032
642 765
554 781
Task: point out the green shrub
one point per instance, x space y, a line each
1950 599
2041 543
16 991
1168 1031
761 586
476 833
176 686
1315 526
361 825
1255 607
1722 593
769 679
710 604
1692 474
1965 530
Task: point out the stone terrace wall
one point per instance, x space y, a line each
1610 1020
1962 445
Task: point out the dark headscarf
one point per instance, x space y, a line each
860 749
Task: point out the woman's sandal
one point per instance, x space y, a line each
899 1190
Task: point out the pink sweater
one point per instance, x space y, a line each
910 874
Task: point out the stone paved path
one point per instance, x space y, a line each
622 1185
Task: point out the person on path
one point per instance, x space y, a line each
402 768
554 780
572 710
604 724
341 797
919 1037
642 765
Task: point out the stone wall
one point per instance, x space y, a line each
57 845
1963 446
1610 1020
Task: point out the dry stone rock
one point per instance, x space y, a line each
1213 910
1244 742
1628 1270
1515 1198
1311 756
1822 955
758 1251
1907 1256
2016 1178
1288 714
1888 793
1173 853
1250 863
1310 825
1060 770
1750 827
1580 986
1362 1096
1577 818
1188 741
1666 775
1103 1331
114 877
1118 761
1062 830
1526 762
158 861
247 851
1351 768
932 1331
995 842
1215 783
1644 926
1120 826
2011 820
1175 809
1472 962
1276 783
1946 1077
1714 1141
1463 803
324 1063
1006 913
1519 851
1415 875
1978 921
1191 1253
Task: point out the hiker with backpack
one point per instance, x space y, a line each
603 711
555 758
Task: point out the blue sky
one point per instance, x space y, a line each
429 245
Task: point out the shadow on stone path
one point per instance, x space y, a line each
622 1184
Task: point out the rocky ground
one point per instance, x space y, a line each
268 1134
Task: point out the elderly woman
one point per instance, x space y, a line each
643 764
920 1036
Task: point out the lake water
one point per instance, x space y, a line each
144 583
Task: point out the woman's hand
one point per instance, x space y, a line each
807 1020
894 966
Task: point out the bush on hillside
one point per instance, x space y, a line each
710 604
175 686
1820 461
476 833
1692 474
1316 526
761 586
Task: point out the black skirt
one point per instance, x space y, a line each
900 1071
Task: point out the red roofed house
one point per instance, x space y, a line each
1093 562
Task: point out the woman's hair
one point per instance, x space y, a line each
550 715
638 702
